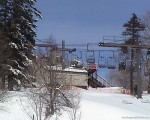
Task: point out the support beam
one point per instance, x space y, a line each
123 45
63 54
139 82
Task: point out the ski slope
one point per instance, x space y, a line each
111 106
95 105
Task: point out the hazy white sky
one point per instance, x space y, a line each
82 21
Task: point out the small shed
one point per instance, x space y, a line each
73 77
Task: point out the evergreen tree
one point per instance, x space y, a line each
17 26
132 31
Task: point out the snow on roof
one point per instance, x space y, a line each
74 69
70 69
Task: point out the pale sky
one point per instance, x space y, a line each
83 21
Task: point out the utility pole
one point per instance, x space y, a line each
139 82
131 72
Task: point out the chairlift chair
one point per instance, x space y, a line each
111 63
146 71
90 57
122 57
122 65
128 65
102 62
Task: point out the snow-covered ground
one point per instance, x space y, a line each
106 106
95 105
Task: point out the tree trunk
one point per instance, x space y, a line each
3 83
148 86
10 84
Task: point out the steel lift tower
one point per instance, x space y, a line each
138 49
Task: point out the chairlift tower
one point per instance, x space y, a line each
138 48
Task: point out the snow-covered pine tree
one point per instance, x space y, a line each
17 26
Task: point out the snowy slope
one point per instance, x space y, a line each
95 105
106 106
12 109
